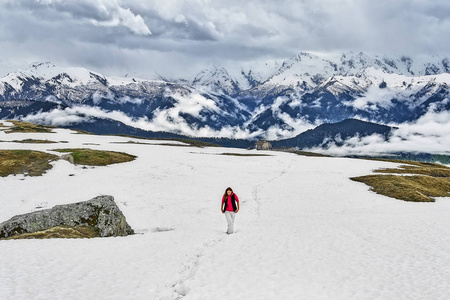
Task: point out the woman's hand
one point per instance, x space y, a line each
223 211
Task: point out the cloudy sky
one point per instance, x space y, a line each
174 37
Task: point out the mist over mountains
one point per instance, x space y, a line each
272 100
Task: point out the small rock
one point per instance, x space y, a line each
68 157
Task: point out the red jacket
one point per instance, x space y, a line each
230 204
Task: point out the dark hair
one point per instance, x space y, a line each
228 189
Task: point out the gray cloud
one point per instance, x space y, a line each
98 13
172 37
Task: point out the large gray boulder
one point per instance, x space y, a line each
100 213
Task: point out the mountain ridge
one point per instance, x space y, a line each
272 101
327 134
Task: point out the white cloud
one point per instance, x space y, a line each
375 98
98 96
52 98
127 99
162 122
192 104
429 134
56 117
278 102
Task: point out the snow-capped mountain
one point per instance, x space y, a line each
265 99
235 80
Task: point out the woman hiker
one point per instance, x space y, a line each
229 207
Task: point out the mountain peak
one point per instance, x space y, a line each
217 79
40 65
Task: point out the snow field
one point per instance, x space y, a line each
338 242
304 231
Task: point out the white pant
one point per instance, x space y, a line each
230 215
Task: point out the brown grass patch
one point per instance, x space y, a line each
419 168
408 188
153 144
59 232
91 157
189 142
33 141
28 162
240 154
427 180
20 126
311 154
174 145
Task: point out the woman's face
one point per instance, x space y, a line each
228 192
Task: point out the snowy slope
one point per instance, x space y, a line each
305 231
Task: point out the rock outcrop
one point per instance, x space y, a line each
100 214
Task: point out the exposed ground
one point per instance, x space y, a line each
28 162
34 141
242 154
26 127
89 157
62 232
417 182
